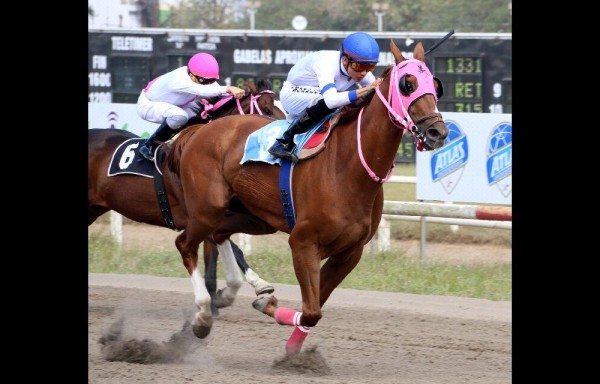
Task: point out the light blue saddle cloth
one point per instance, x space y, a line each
259 142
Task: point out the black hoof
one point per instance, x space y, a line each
201 331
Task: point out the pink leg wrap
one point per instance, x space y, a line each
294 344
287 316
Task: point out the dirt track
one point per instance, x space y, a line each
363 337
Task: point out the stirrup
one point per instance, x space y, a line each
280 150
146 152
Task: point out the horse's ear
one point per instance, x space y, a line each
251 86
396 52
419 52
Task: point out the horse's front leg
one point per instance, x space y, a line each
210 272
188 248
284 316
306 265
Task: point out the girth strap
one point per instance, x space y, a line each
161 194
285 192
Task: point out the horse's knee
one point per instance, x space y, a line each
310 319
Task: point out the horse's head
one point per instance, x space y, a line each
261 100
412 98
257 101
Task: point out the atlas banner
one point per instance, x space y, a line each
475 163
120 116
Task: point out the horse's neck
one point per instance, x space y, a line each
379 140
229 108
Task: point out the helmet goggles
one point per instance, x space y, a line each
359 67
201 80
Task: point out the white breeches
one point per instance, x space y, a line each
295 99
158 111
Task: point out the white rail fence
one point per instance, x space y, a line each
443 213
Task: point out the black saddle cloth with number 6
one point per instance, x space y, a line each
127 160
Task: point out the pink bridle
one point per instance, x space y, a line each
399 104
253 103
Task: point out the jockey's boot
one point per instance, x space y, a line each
284 146
162 134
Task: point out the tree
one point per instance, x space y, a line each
347 15
203 14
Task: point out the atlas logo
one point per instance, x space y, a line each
499 158
448 163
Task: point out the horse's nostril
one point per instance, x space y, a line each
433 134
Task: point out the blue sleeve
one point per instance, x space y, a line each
325 88
352 96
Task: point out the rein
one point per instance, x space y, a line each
372 174
397 111
253 103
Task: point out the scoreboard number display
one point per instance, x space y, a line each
462 77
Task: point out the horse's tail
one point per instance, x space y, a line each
173 158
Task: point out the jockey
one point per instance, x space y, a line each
317 84
170 99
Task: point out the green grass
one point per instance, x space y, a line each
388 271
385 271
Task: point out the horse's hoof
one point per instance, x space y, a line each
266 305
201 331
263 288
222 300
202 325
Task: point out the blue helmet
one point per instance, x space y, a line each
360 47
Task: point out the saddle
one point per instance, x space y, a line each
308 144
316 137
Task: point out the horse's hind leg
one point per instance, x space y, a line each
261 287
233 277
188 248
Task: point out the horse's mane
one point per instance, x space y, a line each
350 111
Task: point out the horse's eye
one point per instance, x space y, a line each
267 111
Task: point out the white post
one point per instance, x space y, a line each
380 10
379 20
383 235
116 227
245 243
252 9
453 228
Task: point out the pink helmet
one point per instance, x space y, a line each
204 65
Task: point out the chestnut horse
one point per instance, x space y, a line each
337 195
140 202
